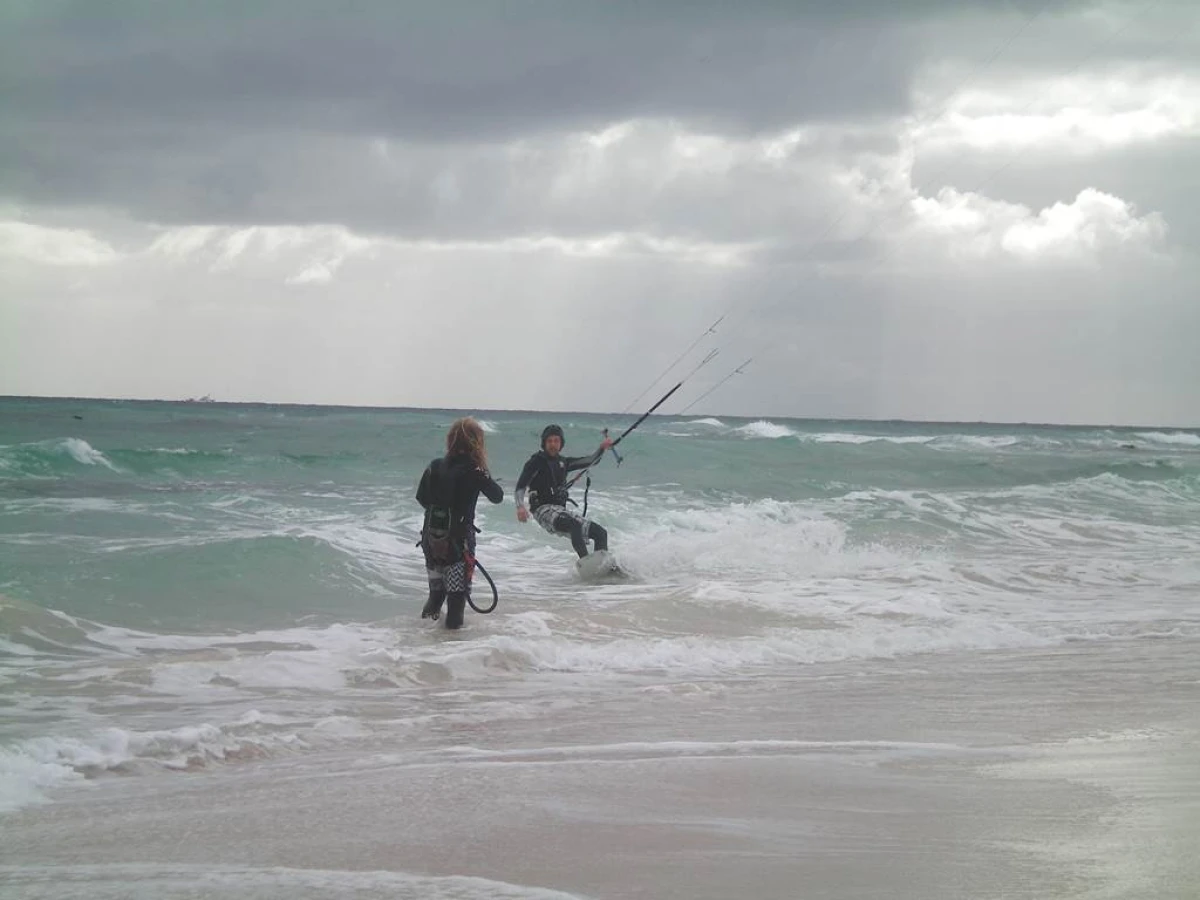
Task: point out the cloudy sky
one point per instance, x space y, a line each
923 209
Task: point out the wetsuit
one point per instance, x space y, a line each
451 483
545 478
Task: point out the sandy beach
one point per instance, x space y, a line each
1065 773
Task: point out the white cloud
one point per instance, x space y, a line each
317 273
182 243
1083 115
48 246
308 254
1094 223
314 254
1089 227
604 246
226 246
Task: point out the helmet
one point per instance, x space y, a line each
550 430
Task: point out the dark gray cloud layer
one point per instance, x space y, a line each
184 111
413 76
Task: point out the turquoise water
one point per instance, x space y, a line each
183 582
206 516
201 516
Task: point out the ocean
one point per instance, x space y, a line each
852 659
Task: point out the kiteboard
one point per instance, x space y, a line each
599 565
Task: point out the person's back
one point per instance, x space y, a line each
449 491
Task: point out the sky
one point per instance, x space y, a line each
947 210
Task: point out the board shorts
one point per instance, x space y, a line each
453 578
558 519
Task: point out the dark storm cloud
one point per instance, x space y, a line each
199 111
467 71
419 75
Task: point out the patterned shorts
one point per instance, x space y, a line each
550 514
453 579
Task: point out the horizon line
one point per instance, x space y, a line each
453 409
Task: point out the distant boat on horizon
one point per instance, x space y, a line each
205 399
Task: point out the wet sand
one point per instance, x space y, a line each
1071 772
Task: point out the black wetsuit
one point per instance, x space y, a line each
453 482
545 477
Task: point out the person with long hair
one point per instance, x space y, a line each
449 489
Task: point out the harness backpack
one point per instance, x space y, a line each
441 535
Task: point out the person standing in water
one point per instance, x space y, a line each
545 477
449 489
